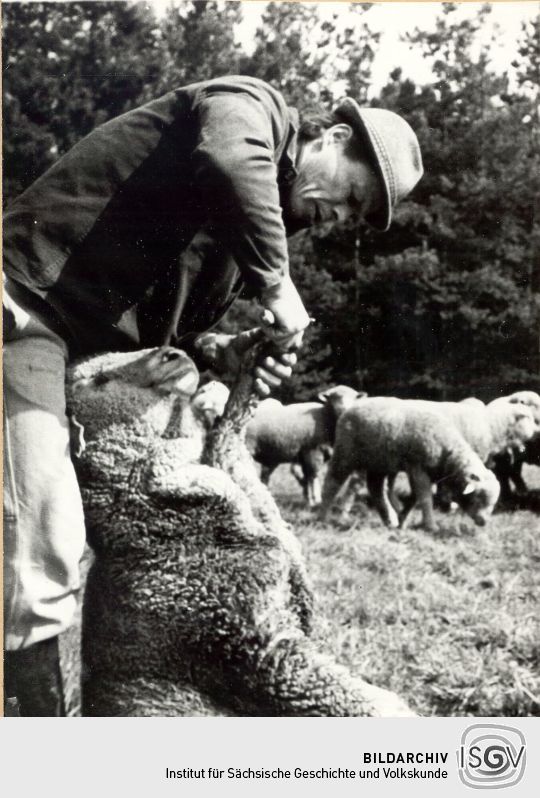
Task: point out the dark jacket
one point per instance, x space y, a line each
104 240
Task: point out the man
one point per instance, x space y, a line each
97 256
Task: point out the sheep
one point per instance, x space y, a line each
197 602
490 430
508 465
495 430
383 435
472 400
209 402
299 434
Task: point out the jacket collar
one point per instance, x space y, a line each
287 169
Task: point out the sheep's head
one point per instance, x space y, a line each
209 401
528 399
126 387
522 426
340 398
479 493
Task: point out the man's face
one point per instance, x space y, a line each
332 185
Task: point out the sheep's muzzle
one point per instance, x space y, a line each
171 371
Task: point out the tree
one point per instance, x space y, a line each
473 210
71 66
452 288
197 42
68 67
311 60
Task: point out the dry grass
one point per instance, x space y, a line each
448 620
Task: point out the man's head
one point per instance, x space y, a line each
354 162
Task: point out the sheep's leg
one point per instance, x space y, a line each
311 462
294 680
333 481
517 478
339 469
266 473
393 498
143 698
316 492
348 496
378 490
421 488
298 474
504 471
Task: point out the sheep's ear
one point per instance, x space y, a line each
101 378
361 394
470 487
323 397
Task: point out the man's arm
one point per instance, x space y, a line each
236 175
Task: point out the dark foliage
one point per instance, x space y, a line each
446 303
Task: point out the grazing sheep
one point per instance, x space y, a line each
197 602
382 436
508 465
491 430
299 434
209 402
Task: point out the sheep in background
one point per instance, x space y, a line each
491 430
472 400
495 430
382 436
298 434
209 402
197 602
508 465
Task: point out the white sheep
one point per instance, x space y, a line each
299 434
491 430
382 436
197 602
508 465
472 400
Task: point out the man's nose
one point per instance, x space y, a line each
341 213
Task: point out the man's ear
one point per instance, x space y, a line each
341 132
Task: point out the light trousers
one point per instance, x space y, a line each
44 531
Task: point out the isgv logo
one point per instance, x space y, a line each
491 756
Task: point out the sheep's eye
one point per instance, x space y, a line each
170 354
101 379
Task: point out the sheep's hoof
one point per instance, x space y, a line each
387 704
345 523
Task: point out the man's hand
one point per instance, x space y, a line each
224 353
290 318
272 371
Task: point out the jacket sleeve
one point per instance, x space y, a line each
236 178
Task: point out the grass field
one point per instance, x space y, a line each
449 620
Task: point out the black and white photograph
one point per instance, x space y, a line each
271 304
